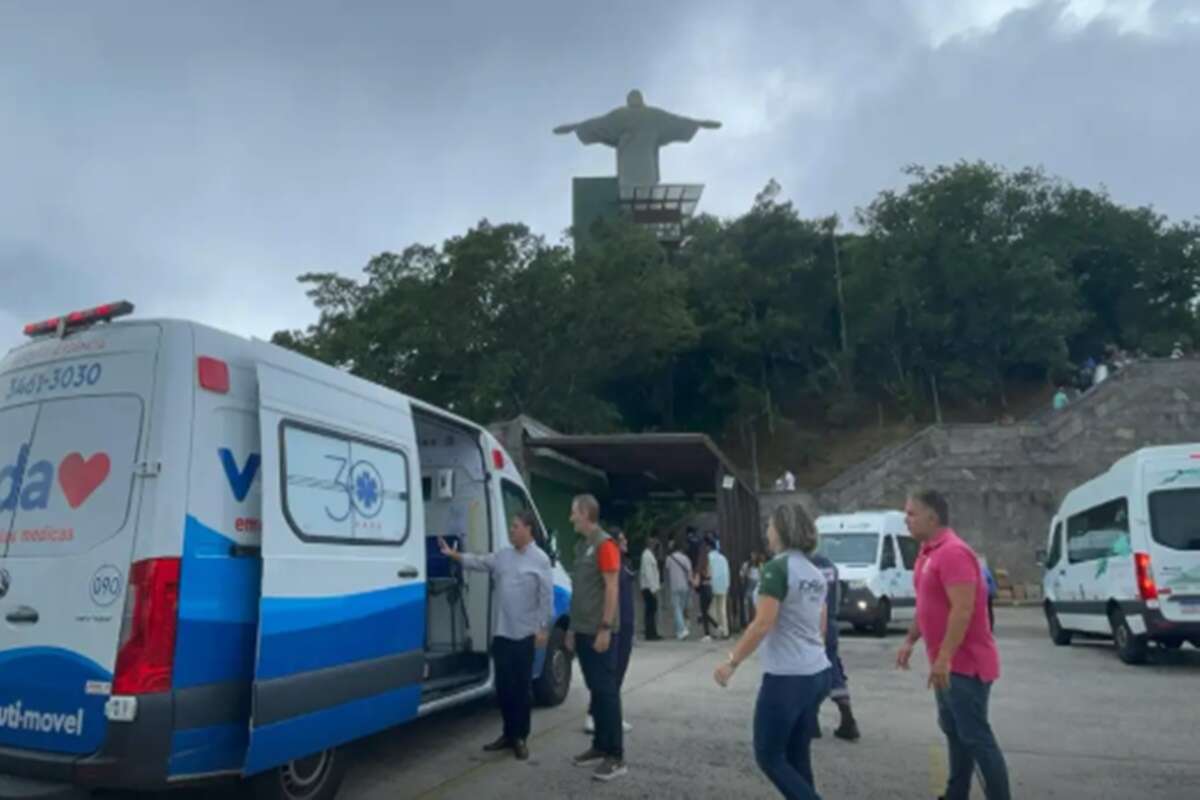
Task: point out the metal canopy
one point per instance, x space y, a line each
649 463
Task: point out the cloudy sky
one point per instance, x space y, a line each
194 158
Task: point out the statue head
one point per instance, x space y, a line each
634 99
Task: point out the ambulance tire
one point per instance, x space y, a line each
316 777
1170 644
551 687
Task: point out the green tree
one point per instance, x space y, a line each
957 294
952 286
761 288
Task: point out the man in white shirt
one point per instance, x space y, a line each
524 604
651 583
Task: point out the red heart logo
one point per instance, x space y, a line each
79 478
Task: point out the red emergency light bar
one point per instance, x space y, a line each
79 319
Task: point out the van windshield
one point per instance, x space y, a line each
1175 518
849 548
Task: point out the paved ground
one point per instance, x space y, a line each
1074 722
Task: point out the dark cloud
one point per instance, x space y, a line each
196 158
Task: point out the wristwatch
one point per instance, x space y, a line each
732 662
604 626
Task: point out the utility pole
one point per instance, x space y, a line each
837 271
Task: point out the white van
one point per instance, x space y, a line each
1123 554
875 556
217 559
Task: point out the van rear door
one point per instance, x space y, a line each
73 418
342 615
1173 502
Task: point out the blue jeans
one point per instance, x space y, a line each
840 690
783 726
963 717
679 599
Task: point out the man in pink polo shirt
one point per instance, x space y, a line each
964 663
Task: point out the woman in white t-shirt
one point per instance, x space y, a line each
790 625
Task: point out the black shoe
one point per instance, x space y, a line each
500 744
848 730
520 750
611 769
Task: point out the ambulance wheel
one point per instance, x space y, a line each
1170 644
551 687
1057 634
880 626
315 777
1130 648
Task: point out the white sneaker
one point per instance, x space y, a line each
590 725
706 639
625 726
683 634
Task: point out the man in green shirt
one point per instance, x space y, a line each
593 622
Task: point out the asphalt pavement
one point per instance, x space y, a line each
1074 722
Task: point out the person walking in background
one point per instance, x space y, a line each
750 574
964 663
650 582
679 582
840 689
702 580
594 621
524 593
1061 400
789 624
718 567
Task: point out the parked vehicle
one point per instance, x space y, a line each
218 559
1123 554
875 556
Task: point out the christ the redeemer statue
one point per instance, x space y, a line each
637 131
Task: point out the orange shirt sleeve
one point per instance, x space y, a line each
608 557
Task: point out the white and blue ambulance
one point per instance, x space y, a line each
218 559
